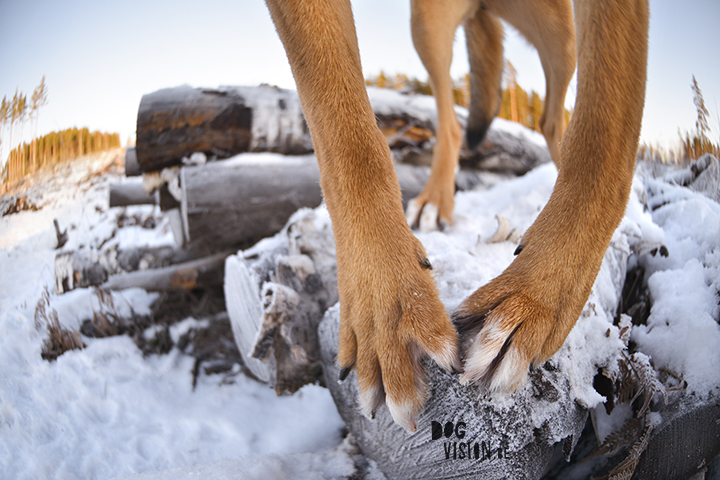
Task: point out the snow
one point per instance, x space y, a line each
682 333
107 411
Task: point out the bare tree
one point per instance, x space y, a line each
701 124
4 117
22 117
511 82
39 99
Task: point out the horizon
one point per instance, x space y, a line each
100 58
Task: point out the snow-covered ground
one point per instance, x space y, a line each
107 411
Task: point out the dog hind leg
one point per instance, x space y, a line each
484 36
433 30
548 26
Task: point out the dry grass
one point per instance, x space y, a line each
59 339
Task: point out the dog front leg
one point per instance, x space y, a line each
523 316
390 312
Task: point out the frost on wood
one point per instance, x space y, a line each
506 436
276 295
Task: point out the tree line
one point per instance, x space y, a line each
54 148
517 105
50 149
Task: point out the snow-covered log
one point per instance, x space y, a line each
174 123
464 433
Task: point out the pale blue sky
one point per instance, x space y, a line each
100 57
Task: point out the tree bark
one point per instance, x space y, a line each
130 193
176 122
204 272
236 203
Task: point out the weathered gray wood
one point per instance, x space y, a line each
237 202
276 295
204 272
132 168
130 192
686 441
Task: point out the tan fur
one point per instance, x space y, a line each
390 311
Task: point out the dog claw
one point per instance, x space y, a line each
344 373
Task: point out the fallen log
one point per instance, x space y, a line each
237 202
176 122
204 272
130 192
90 268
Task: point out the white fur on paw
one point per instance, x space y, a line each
447 358
429 218
413 212
403 414
511 372
484 349
370 400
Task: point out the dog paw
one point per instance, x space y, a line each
391 317
521 318
501 338
432 209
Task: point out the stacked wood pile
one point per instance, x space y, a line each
217 204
